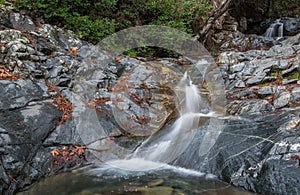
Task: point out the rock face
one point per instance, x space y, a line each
254 152
267 77
258 148
29 118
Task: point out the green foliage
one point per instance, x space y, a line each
286 8
178 14
150 52
93 20
2 2
270 8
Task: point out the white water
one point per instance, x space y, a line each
275 30
141 165
166 145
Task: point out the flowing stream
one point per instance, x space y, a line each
166 146
146 169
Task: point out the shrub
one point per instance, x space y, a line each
93 20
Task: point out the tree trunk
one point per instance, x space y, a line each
216 13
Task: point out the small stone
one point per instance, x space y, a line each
283 64
256 79
240 84
295 94
249 106
267 90
228 58
237 68
155 182
282 99
290 81
291 69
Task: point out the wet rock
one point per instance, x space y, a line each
137 95
281 99
65 134
24 130
252 152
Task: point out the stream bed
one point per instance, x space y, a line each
109 179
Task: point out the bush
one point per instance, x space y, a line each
93 20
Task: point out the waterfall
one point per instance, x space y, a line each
166 146
275 30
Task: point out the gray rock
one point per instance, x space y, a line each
267 90
17 94
294 67
295 94
291 26
283 64
246 153
237 67
249 106
239 84
289 81
228 58
21 22
294 40
281 99
256 79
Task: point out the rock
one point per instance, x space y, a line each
247 153
239 84
289 81
248 106
228 58
256 79
237 67
291 26
292 41
17 94
24 130
295 94
267 90
294 67
21 21
281 99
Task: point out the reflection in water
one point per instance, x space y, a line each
105 179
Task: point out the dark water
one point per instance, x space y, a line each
161 181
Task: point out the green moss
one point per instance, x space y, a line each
292 75
275 73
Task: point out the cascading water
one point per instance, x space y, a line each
275 30
166 147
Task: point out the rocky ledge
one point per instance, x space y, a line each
257 148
